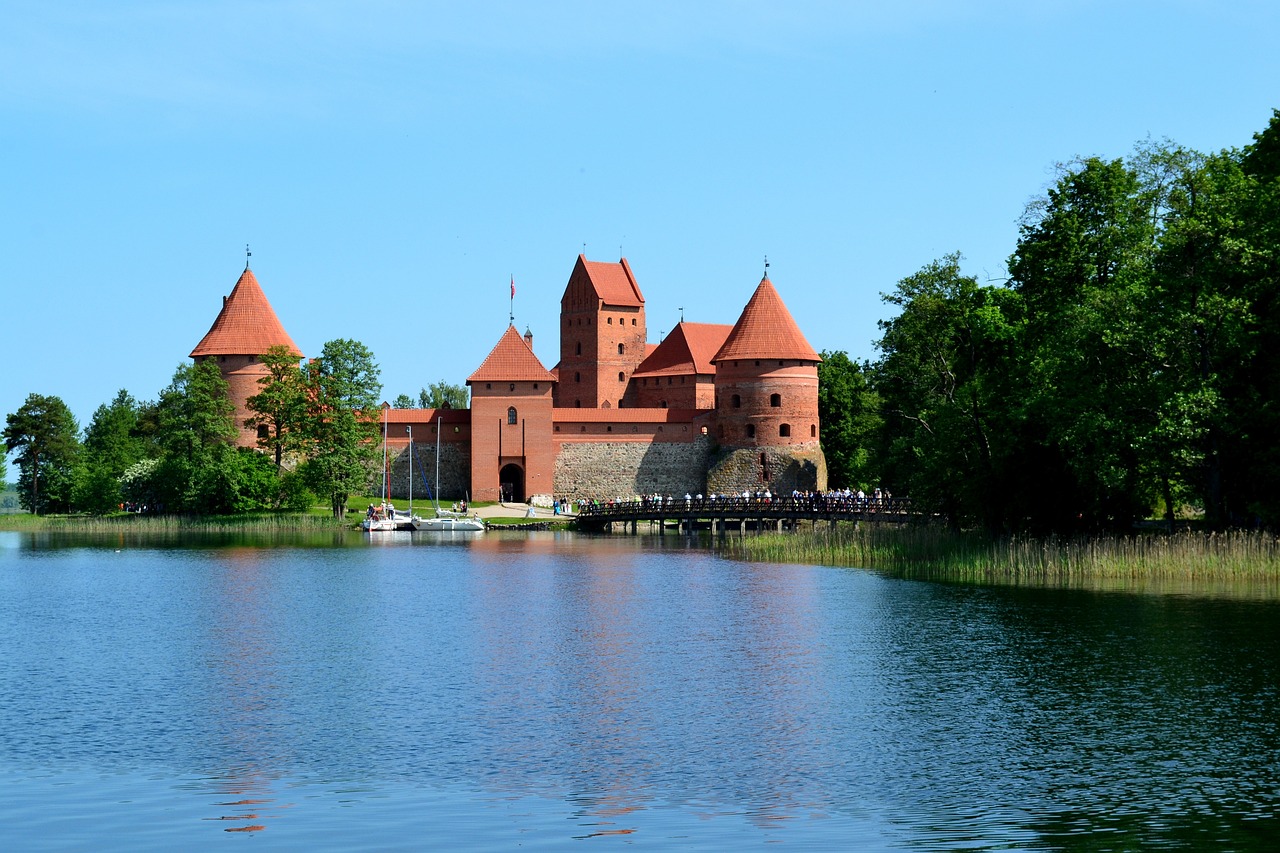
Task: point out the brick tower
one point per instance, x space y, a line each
767 402
512 458
602 335
245 328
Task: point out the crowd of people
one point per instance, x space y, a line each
832 500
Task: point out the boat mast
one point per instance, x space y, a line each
384 453
439 421
409 429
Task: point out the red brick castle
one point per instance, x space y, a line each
711 409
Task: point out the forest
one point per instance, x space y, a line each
1127 369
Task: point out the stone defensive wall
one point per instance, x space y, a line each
454 426
785 469
610 453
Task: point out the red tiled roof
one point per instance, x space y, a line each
766 330
511 361
246 325
415 416
688 349
614 283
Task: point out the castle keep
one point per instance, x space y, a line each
711 409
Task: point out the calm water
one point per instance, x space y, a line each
545 691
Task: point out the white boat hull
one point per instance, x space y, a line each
450 525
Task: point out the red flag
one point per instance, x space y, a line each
513 287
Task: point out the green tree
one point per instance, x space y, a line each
849 411
111 445
402 401
45 436
196 431
942 379
442 395
1083 267
343 389
281 405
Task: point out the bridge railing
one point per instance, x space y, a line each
809 506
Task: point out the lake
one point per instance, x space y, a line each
541 691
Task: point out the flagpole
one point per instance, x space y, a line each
511 318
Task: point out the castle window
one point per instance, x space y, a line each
511 387
775 400
609 320
813 430
621 349
633 321
784 430
222 358
622 321
511 415
577 377
578 350
704 430
757 362
488 386
577 404
781 364
609 428
751 430
263 431
669 380
535 386
681 380
622 377
557 427
736 401
662 404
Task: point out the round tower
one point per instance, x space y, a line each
245 328
767 402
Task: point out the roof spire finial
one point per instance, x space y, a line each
681 313
247 255
766 266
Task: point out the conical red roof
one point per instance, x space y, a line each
246 325
766 330
511 360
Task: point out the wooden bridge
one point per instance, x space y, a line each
724 513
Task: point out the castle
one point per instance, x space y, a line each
711 409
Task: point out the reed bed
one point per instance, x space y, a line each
939 553
264 523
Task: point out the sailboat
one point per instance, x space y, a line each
446 521
386 518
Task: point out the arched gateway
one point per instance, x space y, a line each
511 483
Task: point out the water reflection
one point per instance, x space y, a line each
511 689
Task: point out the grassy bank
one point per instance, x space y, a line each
939 553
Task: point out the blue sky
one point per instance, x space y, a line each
392 164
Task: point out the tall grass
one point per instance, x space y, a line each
252 523
919 551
